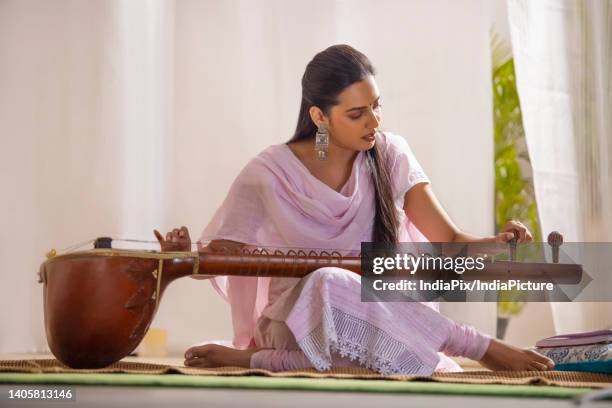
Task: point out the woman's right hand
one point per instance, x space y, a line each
176 240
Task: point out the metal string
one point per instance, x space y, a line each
259 250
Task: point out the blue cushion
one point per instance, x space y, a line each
589 366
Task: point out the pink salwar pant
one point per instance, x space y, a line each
418 328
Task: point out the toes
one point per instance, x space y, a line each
195 352
190 353
191 361
197 362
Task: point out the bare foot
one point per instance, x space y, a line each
214 355
501 356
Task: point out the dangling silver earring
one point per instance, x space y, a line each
322 142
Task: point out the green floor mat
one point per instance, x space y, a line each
276 383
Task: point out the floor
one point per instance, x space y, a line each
112 396
108 397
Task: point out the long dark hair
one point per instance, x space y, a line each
326 76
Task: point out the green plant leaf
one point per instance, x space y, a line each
514 193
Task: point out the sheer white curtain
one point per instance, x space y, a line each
119 116
563 55
86 119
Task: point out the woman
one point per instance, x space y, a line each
339 181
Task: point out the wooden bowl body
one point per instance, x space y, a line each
98 308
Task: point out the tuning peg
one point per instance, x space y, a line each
555 239
512 244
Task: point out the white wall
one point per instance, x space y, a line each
92 96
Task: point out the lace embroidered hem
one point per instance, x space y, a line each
348 336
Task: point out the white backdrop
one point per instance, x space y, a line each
117 117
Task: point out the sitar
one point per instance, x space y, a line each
99 303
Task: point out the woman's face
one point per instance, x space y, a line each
353 122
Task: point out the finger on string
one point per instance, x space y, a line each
522 232
528 236
520 229
158 235
516 232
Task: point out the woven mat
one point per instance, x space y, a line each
555 378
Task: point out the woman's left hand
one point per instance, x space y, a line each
508 233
